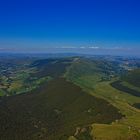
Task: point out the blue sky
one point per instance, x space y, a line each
85 26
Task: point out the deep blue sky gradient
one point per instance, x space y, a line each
53 25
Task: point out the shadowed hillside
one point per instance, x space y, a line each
133 77
50 67
118 85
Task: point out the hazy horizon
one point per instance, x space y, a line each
58 26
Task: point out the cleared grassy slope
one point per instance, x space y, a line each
84 72
125 129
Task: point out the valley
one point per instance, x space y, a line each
73 98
